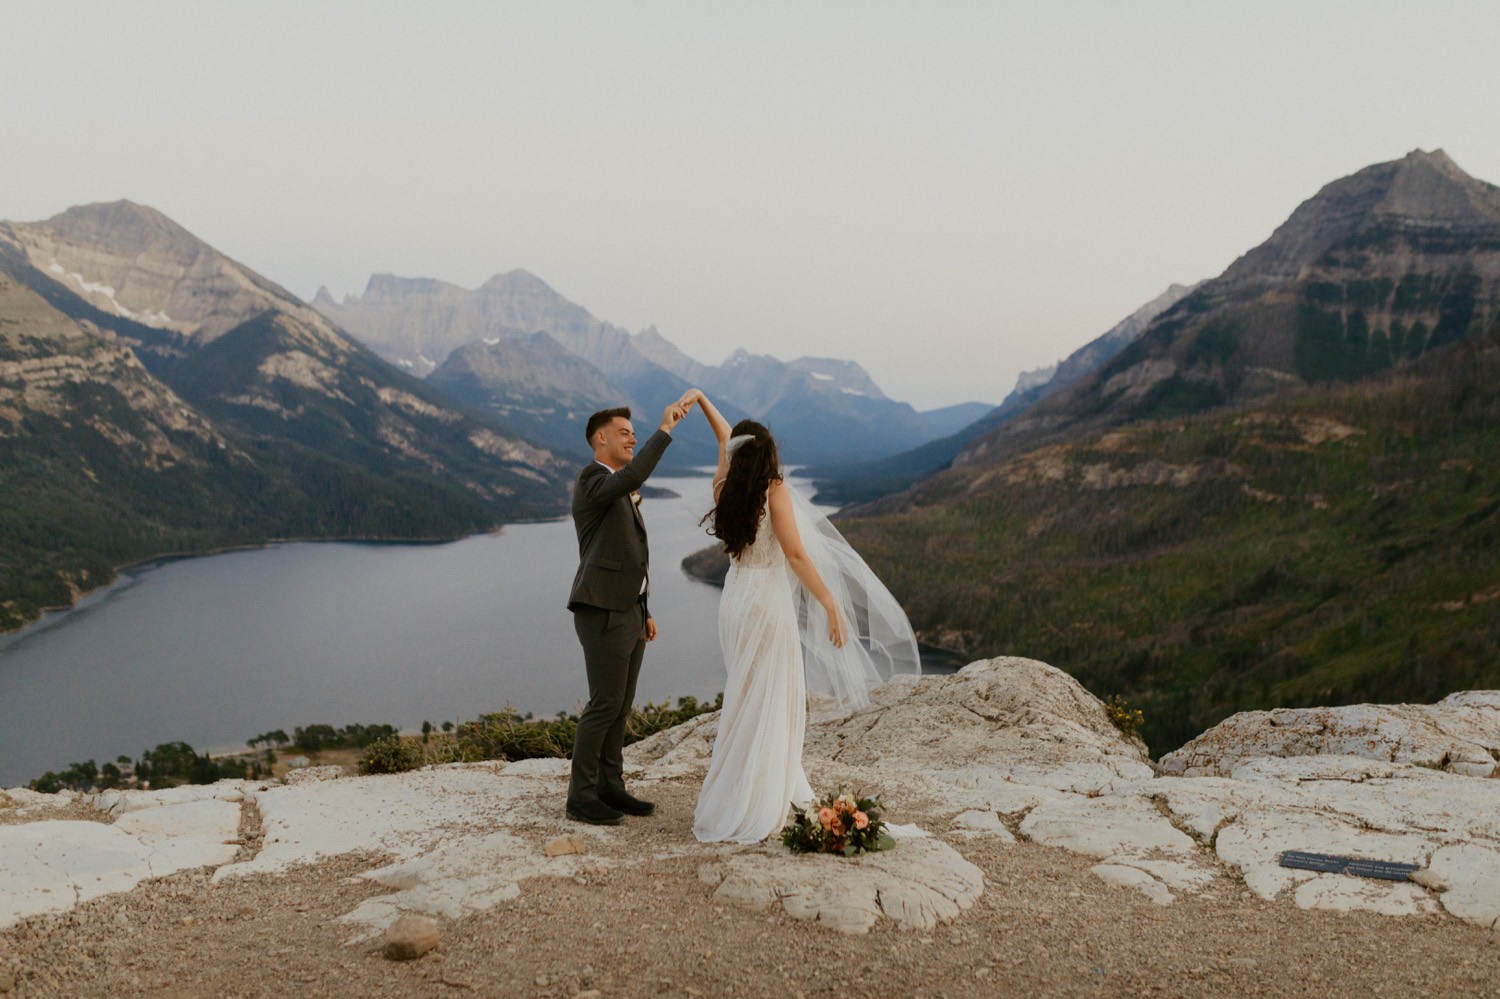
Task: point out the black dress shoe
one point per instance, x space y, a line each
627 803
595 813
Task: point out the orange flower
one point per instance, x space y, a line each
838 827
861 820
826 818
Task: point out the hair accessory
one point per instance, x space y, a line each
735 443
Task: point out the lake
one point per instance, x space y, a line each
217 649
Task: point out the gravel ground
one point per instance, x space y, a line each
1045 926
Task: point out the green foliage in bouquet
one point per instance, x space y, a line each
837 823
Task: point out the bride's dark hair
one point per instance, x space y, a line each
742 500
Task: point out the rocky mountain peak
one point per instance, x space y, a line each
1421 191
121 226
1430 189
844 376
132 261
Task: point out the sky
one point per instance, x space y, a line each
948 193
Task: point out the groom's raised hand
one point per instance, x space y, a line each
672 415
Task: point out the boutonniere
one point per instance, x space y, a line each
635 497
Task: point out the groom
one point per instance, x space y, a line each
608 602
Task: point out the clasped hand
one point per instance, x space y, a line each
675 411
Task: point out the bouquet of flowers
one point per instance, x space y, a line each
837 823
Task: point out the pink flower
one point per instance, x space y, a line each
861 820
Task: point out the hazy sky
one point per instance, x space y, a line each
949 193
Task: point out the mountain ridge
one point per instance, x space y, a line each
161 397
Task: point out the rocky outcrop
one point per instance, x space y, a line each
1460 734
1003 750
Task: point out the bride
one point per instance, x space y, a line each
801 611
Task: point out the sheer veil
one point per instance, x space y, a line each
881 643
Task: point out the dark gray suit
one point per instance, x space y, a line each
609 613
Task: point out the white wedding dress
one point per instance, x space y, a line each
756 771
774 638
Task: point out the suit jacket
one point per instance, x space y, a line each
613 556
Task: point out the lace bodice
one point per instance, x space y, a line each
765 551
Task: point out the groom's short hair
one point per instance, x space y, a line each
602 417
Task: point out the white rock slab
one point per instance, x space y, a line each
24 798
1460 734
1175 874
982 823
199 833
458 878
53 865
1205 804
1133 877
120 802
1384 796
921 883
1472 872
1346 894
1255 843
402 815
1103 827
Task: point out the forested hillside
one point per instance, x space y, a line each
1334 545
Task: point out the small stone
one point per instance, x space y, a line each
7 980
541 981
1429 880
410 937
122 919
562 846
591 994
187 920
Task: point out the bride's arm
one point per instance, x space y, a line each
721 434
784 523
715 420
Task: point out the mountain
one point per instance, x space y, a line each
821 409
842 483
1372 271
99 462
536 386
1283 493
417 322
166 398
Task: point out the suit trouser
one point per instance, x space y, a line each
614 643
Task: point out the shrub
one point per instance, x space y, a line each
391 755
509 735
1127 719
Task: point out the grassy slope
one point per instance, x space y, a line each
1301 568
